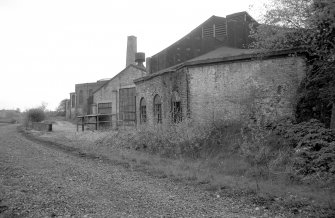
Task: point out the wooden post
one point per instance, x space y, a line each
332 119
97 122
82 124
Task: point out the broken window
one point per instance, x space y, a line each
143 111
81 97
176 108
158 109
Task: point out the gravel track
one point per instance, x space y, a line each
38 180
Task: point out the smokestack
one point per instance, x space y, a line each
140 58
148 64
131 50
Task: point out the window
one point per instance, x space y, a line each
176 108
105 108
143 111
81 97
158 109
73 101
127 104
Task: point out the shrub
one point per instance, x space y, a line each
34 115
304 150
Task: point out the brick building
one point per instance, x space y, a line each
84 97
207 76
117 95
227 84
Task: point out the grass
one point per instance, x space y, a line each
205 156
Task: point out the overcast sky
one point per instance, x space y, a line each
47 46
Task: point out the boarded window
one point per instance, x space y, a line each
127 104
105 108
176 108
143 111
81 97
158 109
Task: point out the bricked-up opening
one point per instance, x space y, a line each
143 111
73 101
157 109
176 108
105 108
81 97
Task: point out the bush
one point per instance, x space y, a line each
305 151
34 115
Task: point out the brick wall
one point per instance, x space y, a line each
83 108
163 85
110 91
262 90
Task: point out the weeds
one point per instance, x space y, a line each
223 156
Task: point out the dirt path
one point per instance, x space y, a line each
37 180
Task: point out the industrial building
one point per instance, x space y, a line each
207 76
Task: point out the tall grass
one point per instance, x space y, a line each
221 155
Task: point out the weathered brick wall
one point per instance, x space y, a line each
262 90
110 91
163 85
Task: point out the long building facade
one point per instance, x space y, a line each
207 76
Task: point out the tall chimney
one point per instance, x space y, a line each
131 50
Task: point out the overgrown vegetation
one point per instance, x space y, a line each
295 152
308 25
284 159
34 115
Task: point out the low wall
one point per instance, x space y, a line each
47 127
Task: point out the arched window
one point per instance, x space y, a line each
176 110
157 109
81 97
143 111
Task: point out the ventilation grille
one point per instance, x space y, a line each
220 30
207 32
216 30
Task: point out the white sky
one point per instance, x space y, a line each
47 46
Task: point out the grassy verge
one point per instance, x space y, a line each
224 159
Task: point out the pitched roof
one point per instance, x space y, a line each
222 54
125 69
